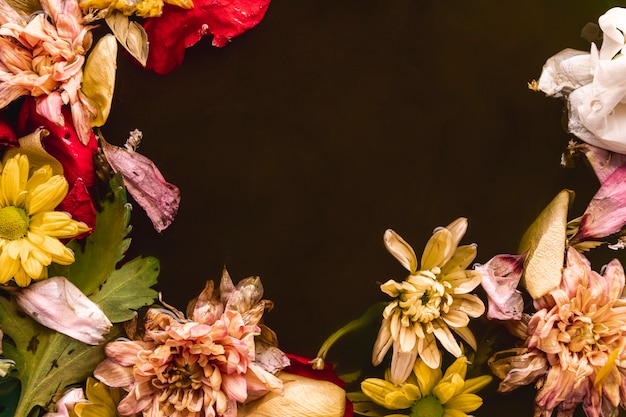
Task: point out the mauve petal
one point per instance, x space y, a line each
124 352
500 278
235 387
145 184
603 162
177 28
606 212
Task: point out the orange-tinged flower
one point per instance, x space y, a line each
197 367
578 338
433 299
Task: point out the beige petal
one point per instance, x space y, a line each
99 77
461 259
467 335
455 318
402 363
302 397
382 344
438 249
447 340
429 352
401 250
469 304
464 281
113 374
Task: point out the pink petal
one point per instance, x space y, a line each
603 162
606 212
145 183
60 305
500 278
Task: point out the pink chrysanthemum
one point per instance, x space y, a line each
576 344
43 56
198 367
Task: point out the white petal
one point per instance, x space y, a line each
401 250
564 72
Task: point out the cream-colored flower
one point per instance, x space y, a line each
594 85
30 229
432 300
576 344
427 393
197 367
42 56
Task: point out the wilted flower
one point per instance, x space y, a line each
594 85
30 229
576 343
432 300
143 8
427 393
42 56
195 367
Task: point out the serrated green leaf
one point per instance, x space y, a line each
106 246
46 361
128 289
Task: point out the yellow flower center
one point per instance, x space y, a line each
428 406
424 297
13 223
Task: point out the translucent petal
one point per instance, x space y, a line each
401 250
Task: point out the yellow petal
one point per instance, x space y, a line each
462 258
445 390
445 337
401 250
13 179
459 367
438 248
427 378
47 196
476 384
465 402
99 77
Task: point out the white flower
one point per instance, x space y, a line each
594 85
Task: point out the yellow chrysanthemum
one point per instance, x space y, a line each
30 229
432 300
426 393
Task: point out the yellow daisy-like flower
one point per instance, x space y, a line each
427 394
432 300
30 229
101 401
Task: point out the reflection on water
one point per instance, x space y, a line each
297 145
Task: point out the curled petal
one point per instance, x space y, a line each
145 183
400 250
564 72
517 367
500 277
60 305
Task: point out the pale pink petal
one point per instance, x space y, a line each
60 305
66 402
500 278
114 375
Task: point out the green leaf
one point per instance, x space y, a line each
128 289
106 246
47 362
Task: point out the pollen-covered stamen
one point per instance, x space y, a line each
14 223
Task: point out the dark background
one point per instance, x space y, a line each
298 144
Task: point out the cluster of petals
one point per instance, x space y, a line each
428 392
42 56
30 229
430 302
196 367
576 344
593 83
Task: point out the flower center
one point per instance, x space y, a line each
13 223
423 297
428 406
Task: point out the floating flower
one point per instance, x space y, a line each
576 343
201 366
594 85
427 393
43 56
430 302
30 229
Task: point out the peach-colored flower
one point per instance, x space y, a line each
197 367
579 334
43 55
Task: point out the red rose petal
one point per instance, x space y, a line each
177 28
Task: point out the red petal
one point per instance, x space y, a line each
177 28
78 203
62 143
302 366
7 132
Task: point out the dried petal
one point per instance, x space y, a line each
60 305
99 77
500 277
145 183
